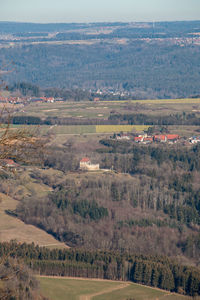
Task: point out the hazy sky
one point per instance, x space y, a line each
98 10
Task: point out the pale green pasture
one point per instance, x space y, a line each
102 109
72 289
139 292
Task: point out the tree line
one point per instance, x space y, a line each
155 271
114 119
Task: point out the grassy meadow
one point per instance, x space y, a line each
102 109
86 289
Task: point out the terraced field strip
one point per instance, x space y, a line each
158 101
86 129
118 128
74 129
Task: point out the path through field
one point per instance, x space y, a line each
109 290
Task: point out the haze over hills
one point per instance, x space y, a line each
149 60
105 187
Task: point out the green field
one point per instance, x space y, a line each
118 128
102 109
84 289
72 289
84 129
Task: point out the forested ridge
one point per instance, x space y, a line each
115 66
156 271
160 61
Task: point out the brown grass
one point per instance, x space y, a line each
12 228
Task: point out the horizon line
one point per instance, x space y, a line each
99 22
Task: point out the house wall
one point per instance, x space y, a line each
93 167
89 167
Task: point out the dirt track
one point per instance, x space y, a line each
109 290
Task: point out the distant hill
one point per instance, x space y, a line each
159 60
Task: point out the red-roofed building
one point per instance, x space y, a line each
85 164
138 139
85 160
172 137
160 138
148 139
8 163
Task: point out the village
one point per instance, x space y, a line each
26 100
157 138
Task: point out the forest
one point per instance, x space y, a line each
156 271
145 199
149 203
160 61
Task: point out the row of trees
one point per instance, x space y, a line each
154 271
143 119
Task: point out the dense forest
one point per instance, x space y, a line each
157 271
160 61
140 67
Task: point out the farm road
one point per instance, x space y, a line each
109 290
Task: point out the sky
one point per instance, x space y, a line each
65 11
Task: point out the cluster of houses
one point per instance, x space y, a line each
194 139
12 100
42 99
145 139
24 100
163 138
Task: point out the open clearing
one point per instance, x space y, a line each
12 228
94 289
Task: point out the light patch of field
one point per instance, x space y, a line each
58 288
47 110
12 228
140 292
122 41
73 289
159 101
69 42
184 130
74 129
118 128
